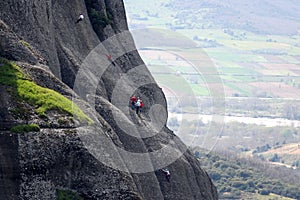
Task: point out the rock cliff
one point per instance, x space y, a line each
95 147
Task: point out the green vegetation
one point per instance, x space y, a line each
67 195
98 16
24 43
235 177
280 154
25 128
43 99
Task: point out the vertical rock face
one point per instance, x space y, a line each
64 157
9 167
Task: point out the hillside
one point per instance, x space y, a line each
230 72
281 17
248 178
254 45
209 65
66 128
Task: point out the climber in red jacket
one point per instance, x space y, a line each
141 105
109 58
133 101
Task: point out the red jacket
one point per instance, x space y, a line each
142 104
133 99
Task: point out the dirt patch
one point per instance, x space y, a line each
290 149
278 89
278 69
274 59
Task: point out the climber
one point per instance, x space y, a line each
80 18
133 101
167 173
109 58
137 106
141 106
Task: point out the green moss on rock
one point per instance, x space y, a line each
25 128
26 44
43 99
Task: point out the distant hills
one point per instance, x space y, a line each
259 16
241 178
255 45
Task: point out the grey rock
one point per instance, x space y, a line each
104 160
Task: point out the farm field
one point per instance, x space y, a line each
239 79
268 65
190 57
230 73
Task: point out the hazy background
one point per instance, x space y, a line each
230 71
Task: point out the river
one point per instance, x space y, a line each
262 121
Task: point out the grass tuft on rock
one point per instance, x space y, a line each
25 128
43 99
